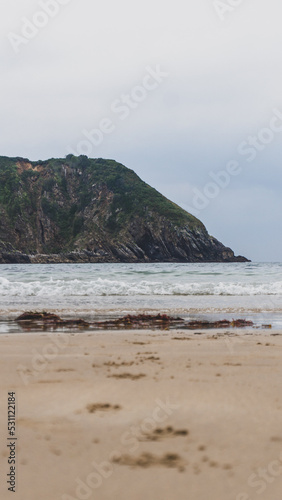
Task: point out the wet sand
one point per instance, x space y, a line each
155 415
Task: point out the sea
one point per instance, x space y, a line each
209 291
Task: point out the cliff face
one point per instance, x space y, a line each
81 210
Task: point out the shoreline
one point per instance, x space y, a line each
87 257
145 413
47 321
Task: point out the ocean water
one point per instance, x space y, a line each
245 290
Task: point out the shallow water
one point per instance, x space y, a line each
247 290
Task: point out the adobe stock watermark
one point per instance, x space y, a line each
40 360
31 27
224 7
129 440
121 108
249 149
262 478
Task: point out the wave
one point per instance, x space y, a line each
104 287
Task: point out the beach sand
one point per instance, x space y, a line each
144 415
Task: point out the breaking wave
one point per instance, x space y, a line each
106 287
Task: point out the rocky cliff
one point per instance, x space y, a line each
93 210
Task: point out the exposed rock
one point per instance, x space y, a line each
81 210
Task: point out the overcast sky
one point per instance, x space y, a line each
186 93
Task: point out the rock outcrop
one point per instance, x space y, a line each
84 210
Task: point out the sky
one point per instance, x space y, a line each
185 93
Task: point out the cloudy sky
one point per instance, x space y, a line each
186 93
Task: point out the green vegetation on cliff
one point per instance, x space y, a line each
97 206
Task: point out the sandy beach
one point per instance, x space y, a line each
149 414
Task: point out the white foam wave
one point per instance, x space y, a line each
104 287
